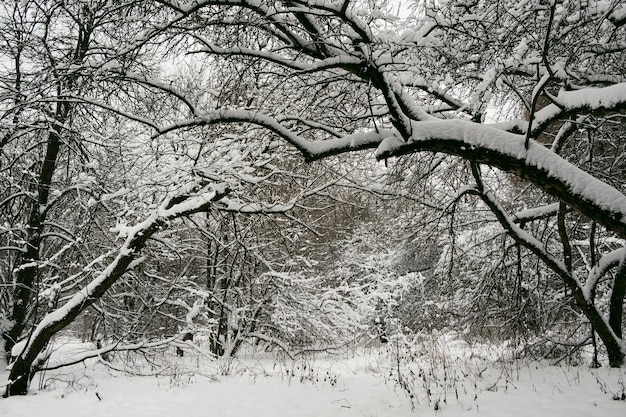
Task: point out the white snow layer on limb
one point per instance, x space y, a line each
610 97
536 213
322 64
618 16
79 357
18 348
605 263
532 243
468 139
588 99
355 141
310 149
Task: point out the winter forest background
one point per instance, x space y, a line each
310 176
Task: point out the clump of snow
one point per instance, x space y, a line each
593 98
18 348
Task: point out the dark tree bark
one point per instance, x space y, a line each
27 269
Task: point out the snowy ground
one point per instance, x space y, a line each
438 381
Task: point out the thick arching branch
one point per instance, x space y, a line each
539 165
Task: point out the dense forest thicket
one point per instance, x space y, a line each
311 174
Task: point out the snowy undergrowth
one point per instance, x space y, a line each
440 371
422 375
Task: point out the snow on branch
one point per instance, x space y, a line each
581 293
567 103
529 241
593 99
608 261
341 61
484 144
310 149
536 213
618 16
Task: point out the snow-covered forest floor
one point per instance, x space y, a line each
437 376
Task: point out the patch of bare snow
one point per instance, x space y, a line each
359 383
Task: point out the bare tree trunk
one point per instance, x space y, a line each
616 305
27 270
